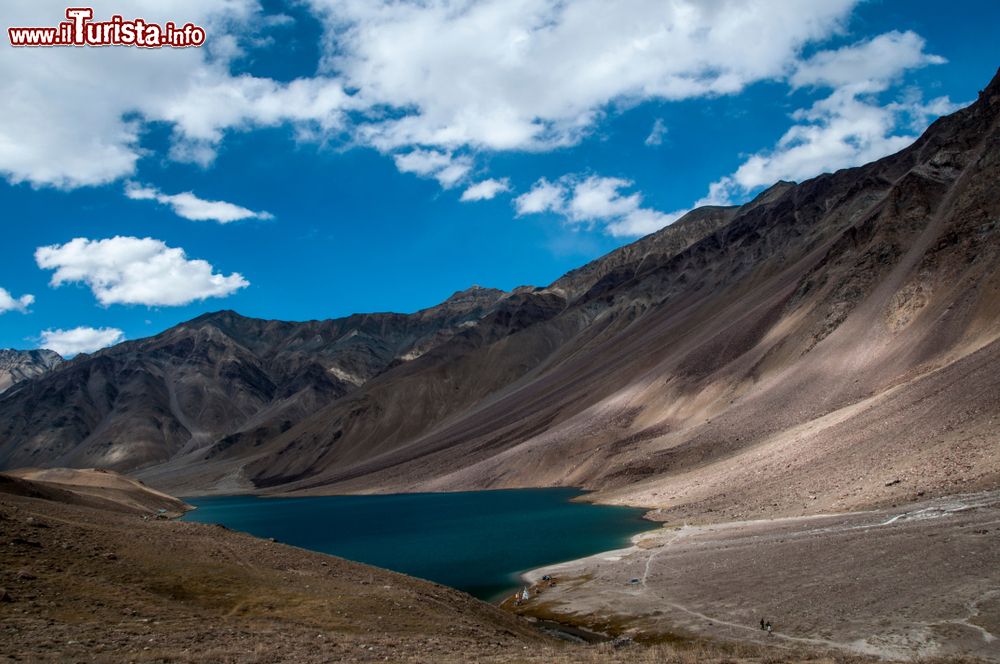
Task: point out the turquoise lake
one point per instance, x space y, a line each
475 541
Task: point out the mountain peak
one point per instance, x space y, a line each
474 295
770 194
20 365
221 314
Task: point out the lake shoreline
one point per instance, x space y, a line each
717 581
477 542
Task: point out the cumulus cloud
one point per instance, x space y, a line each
485 190
215 102
444 167
920 113
189 206
431 82
599 198
837 132
80 339
10 303
66 122
869 63
544 196
850 126
532 74
131 270
657 133
396 75
595 201
642 221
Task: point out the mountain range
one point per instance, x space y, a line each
831 344
18 365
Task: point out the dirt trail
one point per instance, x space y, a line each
911 581
652 557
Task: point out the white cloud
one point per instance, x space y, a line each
869 63
599 198
849 127
594 201
544 196
72 117
532 74
80 340
432 81
720 192
189 206
10 303
657 133
214 101
485 190
839 131
642 221
921 114
446 168
131 270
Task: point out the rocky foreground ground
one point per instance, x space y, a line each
86 584
920 580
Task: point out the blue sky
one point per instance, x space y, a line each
312 159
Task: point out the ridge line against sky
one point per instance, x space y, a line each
486 137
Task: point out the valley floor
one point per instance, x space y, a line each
81 584
921 580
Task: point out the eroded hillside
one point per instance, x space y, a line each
830 345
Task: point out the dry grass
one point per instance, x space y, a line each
184 593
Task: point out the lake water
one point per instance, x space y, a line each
475 541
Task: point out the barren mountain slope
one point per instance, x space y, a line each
103 489
829 340
144 402
180 404
20 365
805 350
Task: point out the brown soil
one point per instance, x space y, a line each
86 585
89 585
92 487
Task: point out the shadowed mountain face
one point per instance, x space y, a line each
19 365
799 353
215 379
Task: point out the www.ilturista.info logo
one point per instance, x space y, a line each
79 30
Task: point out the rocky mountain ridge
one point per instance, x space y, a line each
20 365
801 352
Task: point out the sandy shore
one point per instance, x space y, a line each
912 581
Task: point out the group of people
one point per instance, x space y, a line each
766 626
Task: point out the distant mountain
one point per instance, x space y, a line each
216 377
18 365
829 345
